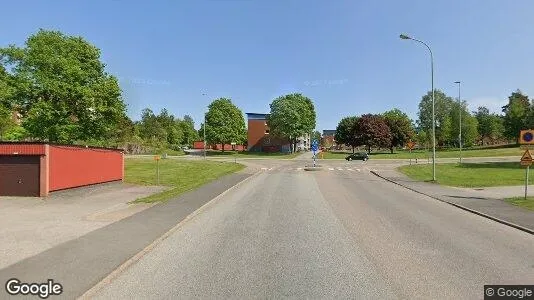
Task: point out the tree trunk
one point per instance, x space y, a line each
352 149
222 147
391 148
368 149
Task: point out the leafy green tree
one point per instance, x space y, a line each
490 126
401 128
443 105
344 134
371 131
516 114
291 117
469 126
190 135
62 89
151 130
423 139
15 133
224 123
6 120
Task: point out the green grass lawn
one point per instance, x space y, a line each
422 154
520 201
469 174
180 175
244 154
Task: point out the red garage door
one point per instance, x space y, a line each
19 175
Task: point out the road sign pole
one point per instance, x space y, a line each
157 169
526 182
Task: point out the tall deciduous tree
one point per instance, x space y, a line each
401 128
443 105
291 116
469 126
344 134
224 123
516 114
490 126
62 89
151 130
188 129
371 131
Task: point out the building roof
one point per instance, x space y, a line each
329 132
257 116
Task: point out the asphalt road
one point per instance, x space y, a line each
339 233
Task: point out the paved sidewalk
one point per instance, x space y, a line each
81 263
31 225
487 202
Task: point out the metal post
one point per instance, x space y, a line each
461 109
526 182
433 116
203 94
157 170
405 37
204 135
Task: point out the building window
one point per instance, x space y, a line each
266 131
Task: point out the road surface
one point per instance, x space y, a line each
335 233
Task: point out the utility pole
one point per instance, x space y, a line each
461 108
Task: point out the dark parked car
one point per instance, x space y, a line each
358 156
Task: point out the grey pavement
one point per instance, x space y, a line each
80 263
31 225
288 233
488 201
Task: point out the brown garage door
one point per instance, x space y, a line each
19 175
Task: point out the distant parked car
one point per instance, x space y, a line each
358 156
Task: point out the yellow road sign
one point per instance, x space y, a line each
410 145
526 137
156 157
526 159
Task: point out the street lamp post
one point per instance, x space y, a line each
461 108
405 37
204 127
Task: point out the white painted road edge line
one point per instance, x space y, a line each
331 169
115 273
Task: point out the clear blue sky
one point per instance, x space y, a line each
345 55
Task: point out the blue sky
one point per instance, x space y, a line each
345 55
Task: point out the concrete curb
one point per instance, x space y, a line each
527 230
118 271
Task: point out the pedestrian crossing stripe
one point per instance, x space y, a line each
329 169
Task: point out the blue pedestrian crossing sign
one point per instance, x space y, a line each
315 146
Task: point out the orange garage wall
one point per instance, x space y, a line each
74 166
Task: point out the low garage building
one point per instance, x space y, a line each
36 169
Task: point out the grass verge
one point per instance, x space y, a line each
520 201
469 174
422 154
180 175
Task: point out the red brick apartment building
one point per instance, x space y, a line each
328 138
258 137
